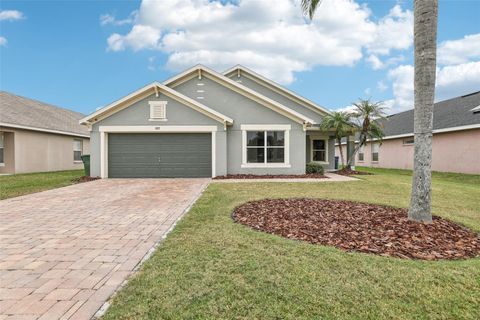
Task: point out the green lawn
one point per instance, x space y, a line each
212 268
21 184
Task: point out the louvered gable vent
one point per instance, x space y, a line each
158 110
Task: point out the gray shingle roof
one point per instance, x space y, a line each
17 110
450 113
455 112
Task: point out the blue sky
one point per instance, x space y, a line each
82 55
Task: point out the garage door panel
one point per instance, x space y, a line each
160 155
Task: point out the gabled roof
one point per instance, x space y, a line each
200 70
154 87
277 88
451 113
24 113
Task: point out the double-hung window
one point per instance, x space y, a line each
2 148
375 151
319 150
77 150
265 147
361 154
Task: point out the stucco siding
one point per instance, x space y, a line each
245 111
457 151
138 114
249 83
36 151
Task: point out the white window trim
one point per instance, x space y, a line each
266 127
105 130
154 104
362 151
378 152
81 150
325 138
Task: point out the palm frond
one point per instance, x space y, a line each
309 7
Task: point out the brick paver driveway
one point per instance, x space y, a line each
64 252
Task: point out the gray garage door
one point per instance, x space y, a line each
159 155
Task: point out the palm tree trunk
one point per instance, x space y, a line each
339 141
425 38
361 142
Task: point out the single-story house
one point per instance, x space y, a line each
38 137
455 144
201 123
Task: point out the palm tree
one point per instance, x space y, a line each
425 42
340 122
369 116
425 37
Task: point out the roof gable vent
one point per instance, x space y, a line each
158 110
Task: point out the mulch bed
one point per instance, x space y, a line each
350 172
85 179
354 226
272 176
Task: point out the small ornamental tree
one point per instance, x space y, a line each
339 121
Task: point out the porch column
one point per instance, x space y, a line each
350 148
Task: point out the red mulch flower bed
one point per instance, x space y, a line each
85 179
272 176
350 172
354 226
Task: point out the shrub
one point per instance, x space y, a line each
313 167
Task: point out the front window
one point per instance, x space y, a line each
361 154
319 150
265 146
375 151
77 150
2 148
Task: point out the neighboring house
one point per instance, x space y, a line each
456 138
38 137
201 123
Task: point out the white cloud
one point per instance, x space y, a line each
151 64
375 62
451 81
394 31
402 87
106 19
381 86
3 41
459 51
277 41
457 80
10 15
140 37
378 64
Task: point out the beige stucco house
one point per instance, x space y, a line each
38 137
455 145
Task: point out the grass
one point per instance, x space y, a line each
21 184
212 268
